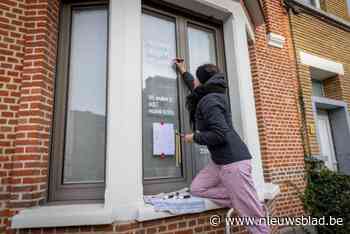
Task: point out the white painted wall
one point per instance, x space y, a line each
124 141
241 92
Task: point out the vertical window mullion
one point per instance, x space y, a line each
186 148
56 157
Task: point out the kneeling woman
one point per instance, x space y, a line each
227 179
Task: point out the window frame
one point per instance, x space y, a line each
59 193
314 3
182 20
315 82
317 4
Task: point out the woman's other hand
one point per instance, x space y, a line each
180 65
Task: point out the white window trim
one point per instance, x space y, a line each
124 183
321 63
313 3
317 4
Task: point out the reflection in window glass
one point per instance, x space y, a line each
201 45
86 115
314 3
160 98
317 88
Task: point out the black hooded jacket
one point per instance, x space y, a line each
214 125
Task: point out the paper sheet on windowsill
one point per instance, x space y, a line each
174 205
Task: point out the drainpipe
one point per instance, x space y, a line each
301 110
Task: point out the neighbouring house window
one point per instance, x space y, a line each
77 169
317 88
165 37
315 3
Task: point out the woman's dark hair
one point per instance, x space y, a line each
205 71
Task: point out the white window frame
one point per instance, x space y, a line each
313 83
124 182
314 3
317 4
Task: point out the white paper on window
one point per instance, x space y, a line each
163 139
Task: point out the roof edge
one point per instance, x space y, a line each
298 6
255 11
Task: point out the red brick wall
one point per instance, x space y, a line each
186 224
332 88
28 40
11 56
276 94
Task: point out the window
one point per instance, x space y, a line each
77 169
315 3
348 5
166 36
317 88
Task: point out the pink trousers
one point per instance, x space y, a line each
231 185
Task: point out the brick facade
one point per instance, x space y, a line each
338 8
28 36
28 41
316 36
185 224
276 95
332 88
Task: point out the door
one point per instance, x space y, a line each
340 123
167 35
325 140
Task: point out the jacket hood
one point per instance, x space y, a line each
218 79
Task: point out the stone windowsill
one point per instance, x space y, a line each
97 214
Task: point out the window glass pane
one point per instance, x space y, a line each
86 107
317 89
348 4
312 2
202 49
160 97
201 45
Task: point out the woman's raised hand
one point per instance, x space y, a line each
180 65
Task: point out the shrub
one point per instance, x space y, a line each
328 194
